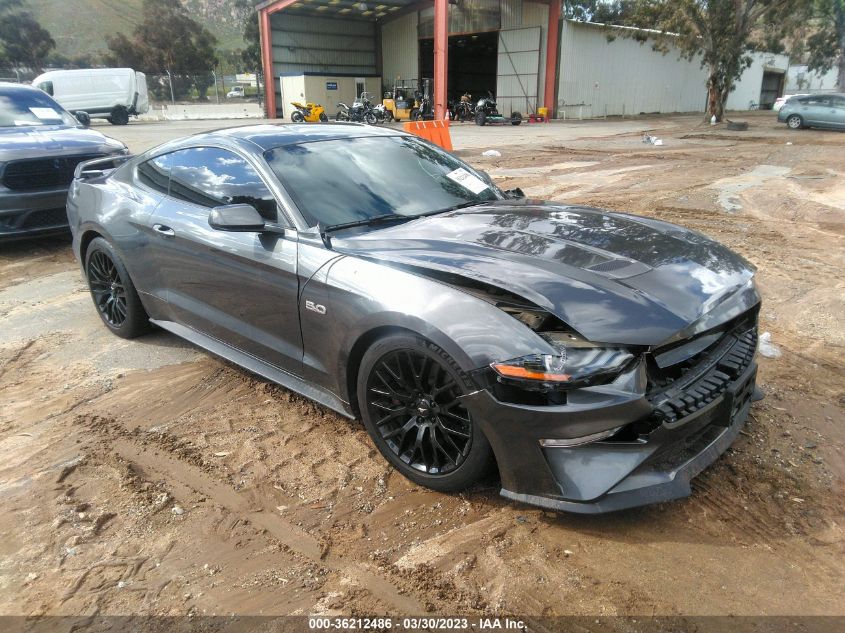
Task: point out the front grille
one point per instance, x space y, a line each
708 379
42 173
685 377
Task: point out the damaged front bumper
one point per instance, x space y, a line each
656 443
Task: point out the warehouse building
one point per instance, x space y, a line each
521 51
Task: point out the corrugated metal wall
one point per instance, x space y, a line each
598 78
303 43
517 74
747 90
400 50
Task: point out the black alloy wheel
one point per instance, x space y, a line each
107 289
410 393
113 292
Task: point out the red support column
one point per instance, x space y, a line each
552 61
266 34
441 56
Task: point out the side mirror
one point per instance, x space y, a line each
514 194
83 118
240 218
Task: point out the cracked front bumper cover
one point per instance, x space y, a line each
606 476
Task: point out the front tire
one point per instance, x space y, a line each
323 117
480 118
113 292
794 122
415 115
516 118
409 395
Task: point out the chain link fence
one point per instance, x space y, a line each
210 87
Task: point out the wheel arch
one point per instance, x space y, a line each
356 355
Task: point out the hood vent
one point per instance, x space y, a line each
619 268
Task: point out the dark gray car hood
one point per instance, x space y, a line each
32 141
614 278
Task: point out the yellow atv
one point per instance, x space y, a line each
308 113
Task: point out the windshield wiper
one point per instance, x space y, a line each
454 207
376 219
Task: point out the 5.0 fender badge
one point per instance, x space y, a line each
315 307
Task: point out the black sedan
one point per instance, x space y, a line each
40 146
597 360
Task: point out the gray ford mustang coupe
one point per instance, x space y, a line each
598 360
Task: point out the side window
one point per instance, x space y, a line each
212 177
817 101
837 102
155 173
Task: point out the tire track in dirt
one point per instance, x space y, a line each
293 537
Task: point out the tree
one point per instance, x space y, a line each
720 33
168 41
248 17
23 41
826 45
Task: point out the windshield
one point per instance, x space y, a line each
355 179
20 107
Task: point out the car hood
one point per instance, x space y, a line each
614 278
34 141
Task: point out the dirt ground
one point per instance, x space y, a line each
150 477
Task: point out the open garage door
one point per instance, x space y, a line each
518 70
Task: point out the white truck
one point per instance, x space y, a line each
113 94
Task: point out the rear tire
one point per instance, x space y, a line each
370 118
516 118
323 117
297 117
415 115
408 393
119 116
113 292
794 122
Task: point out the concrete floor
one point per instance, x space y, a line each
142 135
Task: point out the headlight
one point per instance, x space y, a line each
576 364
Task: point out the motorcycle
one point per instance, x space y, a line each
361 111
383 114
425 110
308 112
463 109
486 112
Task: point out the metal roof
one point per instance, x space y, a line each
349 9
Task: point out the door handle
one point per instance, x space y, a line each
164 230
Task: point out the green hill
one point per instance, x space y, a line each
82 26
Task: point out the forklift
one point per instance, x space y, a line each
401 101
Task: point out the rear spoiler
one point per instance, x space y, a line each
98 167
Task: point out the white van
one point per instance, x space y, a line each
106 93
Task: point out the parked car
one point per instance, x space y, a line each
113 94
40 146
603 359
778 104
819 110
236 92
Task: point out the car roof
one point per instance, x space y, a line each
268 136
8 87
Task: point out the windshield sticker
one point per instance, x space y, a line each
46 114
467 180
